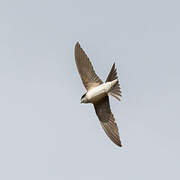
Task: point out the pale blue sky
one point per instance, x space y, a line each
45 133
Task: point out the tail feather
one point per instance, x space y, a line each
115 91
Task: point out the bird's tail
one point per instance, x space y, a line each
115 91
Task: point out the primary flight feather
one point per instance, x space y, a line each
97 92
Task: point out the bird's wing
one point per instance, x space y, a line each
85 68
107 120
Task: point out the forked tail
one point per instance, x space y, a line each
115 91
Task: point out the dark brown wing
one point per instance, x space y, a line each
107 120
85 68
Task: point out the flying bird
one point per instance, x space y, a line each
98 92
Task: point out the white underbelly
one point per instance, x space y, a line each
97 93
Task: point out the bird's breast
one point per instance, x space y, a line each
97 93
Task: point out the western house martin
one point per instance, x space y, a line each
97 92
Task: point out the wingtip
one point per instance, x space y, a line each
113 66
77 44
77 47
119 144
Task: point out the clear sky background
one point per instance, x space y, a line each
45 133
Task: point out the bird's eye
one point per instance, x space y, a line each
83 96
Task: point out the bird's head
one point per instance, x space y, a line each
84 99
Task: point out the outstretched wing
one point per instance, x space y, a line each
85 68
107 120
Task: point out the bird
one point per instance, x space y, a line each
98 92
